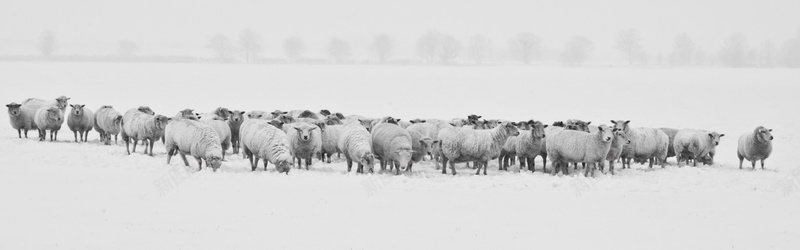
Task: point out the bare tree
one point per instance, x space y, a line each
734 50
294 47
47 43
383 46
251 45
450 49
127 48
790 50
339 49
576 51
629 43
429 44
479 48
525 46
222 47
700 56
683 50
768 54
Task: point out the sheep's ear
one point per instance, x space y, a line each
241 112
626 122
711 135
422 121
545 126
588 123
8 105
770 130
613 122
72 105
600 128
721 135
396 120
312 128
296 128
230 112
69 98
284 112
169 119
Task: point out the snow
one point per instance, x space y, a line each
88 196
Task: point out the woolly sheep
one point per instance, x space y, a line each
20 121
529 144
671 132
464 145
196 139
305 141
33 104
420 146
146 110
575 124
330 140
694 144
620 140
332 120
49 118
355 142
137 125
261 140
508 152
107 122
223 113
221 127
392 144
577 146
80 121
309 114
257 114
430 130
754 146
646 143
235 119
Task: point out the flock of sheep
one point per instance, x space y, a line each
285 138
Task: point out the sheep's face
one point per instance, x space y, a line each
187 114
53 113
222 112
511 128
478 124
607 133
214 163
473 117
620 125
366 123
325 112
765 134
161 122
283 166
236 116
255 115
278 113
146 110
286 119
77 109
13 109
490 124
278 124
304 132
559 124
332 120
578 125
368 161
307 114
425 144
537 129
622 137
62 102
339 115
715 137
403 156
390 119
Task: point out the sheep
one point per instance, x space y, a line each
332 120
137 125
508 152
80 120
403 124
671 132
325 112
146 110
694 144
33 104
646 143
458 122
575 124
305 141
420 146
221 127
223 113
195 138
49 118
355 142
330 140
235 119
261 140
392 144
620 140
186 114
463 145
529 144
107 122
309 114
578 146
754 146
257 114
430 130
21 121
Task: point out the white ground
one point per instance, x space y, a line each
78 196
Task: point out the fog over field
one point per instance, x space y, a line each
718 66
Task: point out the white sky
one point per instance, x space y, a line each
181 26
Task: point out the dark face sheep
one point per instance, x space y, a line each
559 124
715 137
304 132
390 119
473 117
236 116
13 109
146 110
620 125
339 115
62 101
77 109
325 112
765 134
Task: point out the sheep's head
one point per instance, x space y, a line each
54 113
620 125
214 162
366 123
574 124
490 124
13 108
77 109
304 132
425 144
524 125
715 137
473 117
332 120
415 121
277 123
764 134
339 115
283 166
278 113
146 110
222 112
477 124
161 121
606 133
559 124
390 119
188 114
62 102
621 136
510 128
286 119
325 112
403 156
236 116
307 114
537 129
255 115
368 161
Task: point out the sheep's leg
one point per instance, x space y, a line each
254 161
485 166
512 161
396 167
19 132
115 139
500 162
169 155
183 156
266 162
531 163
223 154
308 162
762 164
478 167
82 138
611 166
453 167
754 164
75 133
444 165
555 169
694 162
151 147
410 164
199 163
329 158
135 141
349 164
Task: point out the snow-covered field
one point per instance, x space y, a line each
88 196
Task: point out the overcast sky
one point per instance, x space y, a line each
181 27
